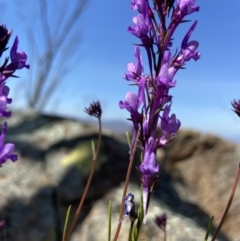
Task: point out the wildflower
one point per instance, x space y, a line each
149 170
169 125
161 220
4 100
17 61
94 109
189 48
19 58
236 107
187 6
150 108
133 102
135 70
6 150
129 207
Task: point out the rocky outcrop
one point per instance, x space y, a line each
197 172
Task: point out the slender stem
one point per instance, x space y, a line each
132 155
95 158
229 204
109 219
66 222
165 234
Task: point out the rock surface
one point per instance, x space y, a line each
197 173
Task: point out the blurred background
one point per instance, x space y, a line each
78 52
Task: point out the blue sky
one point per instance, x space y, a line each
203 92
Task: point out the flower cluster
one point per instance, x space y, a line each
150 108
16 61
236 107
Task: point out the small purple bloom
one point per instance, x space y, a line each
19 58
149 169
138 5
189 48
135 70
4 100
6 150
94 109
236 107
128 203
161 221
129 207
133 102
165 78
141 28
169 125
187 6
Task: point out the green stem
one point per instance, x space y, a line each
66 222
209 228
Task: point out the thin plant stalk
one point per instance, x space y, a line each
109 219
209 228
95 158
130 231
164 234
66 222
132 156
229 203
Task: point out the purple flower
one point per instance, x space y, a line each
133 102
187 6
6 150
135 70
155 27
138 5
189 48
4 100
18 58
164 82
161 220
236 107
165 78
149 169
141 28
94 109
169 125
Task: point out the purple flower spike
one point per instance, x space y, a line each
6 150
155 26
18 58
